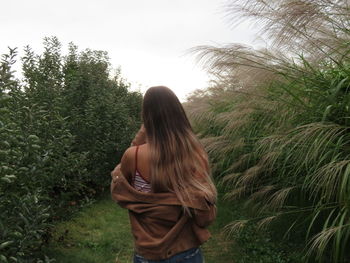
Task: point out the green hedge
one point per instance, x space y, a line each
62 130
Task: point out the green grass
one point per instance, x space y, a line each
100 233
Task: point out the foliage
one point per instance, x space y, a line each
61 131
276 120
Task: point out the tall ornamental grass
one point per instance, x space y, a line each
276 120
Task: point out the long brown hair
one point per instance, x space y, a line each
179 162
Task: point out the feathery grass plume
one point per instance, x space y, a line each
318 28
240 164
277 200
235 226
237 193
278 117
311 140
321 240
250 176
214 144
242 67
262 192
265 221
331 181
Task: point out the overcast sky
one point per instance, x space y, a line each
148 39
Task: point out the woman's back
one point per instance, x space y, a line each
169 194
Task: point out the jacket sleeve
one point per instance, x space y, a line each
204 218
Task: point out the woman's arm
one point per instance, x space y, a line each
125 167
140 137
127 164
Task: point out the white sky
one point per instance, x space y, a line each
148 39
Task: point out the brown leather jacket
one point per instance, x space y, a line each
159 224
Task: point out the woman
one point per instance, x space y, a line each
164 181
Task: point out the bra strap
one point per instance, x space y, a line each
137 149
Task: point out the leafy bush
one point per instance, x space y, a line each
61 132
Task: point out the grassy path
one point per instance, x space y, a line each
100 233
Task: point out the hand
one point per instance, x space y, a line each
115 173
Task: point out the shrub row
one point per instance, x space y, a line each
62 129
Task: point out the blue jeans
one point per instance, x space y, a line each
193 255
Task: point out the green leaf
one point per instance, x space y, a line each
326 112
3 259
5 179
6 244
11 176
33 138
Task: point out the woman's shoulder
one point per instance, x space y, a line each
130 153
127 161
132 157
